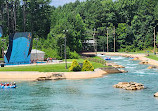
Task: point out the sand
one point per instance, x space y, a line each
21 75
33 76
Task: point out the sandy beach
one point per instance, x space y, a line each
33 76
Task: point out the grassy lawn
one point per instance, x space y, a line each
1 59
96 57
154 57
48 68
78 60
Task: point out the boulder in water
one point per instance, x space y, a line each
118 66
135 58
129 85
156 94
143 62
151 67
123 71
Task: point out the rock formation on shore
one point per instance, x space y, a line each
151 67
129 85
143 62
156 94
114 65
113 70
135 58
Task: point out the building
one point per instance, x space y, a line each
89 45
37 55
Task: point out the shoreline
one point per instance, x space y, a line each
97 73
140 57
42 76
35 76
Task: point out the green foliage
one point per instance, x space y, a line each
133 20
74 55
154 57
87 66
53 53
27 15
75 66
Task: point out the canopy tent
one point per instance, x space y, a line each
37 55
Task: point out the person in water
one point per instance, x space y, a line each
14 83
7 84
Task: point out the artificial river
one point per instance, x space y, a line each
86 95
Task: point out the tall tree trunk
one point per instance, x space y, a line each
24 15
12 16
8 16
32 16
0 15
15 2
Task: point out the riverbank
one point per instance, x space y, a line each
38 76
10 74
141 57
48 71
33 76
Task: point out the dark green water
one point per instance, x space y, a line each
86 95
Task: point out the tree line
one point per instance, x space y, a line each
25 16
132 22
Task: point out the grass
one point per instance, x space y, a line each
78 60
96 57
154 57
48 68
40 68
1 59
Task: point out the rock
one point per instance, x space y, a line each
136 58
118 66
123 71
129 85
43 78
156 94
138 88
143 62
122 83
111 70
151 67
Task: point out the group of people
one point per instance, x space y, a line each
33 61
108 58
49 59
7 84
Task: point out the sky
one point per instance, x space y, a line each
57 3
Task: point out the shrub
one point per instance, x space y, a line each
74 55
87 66
75 66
